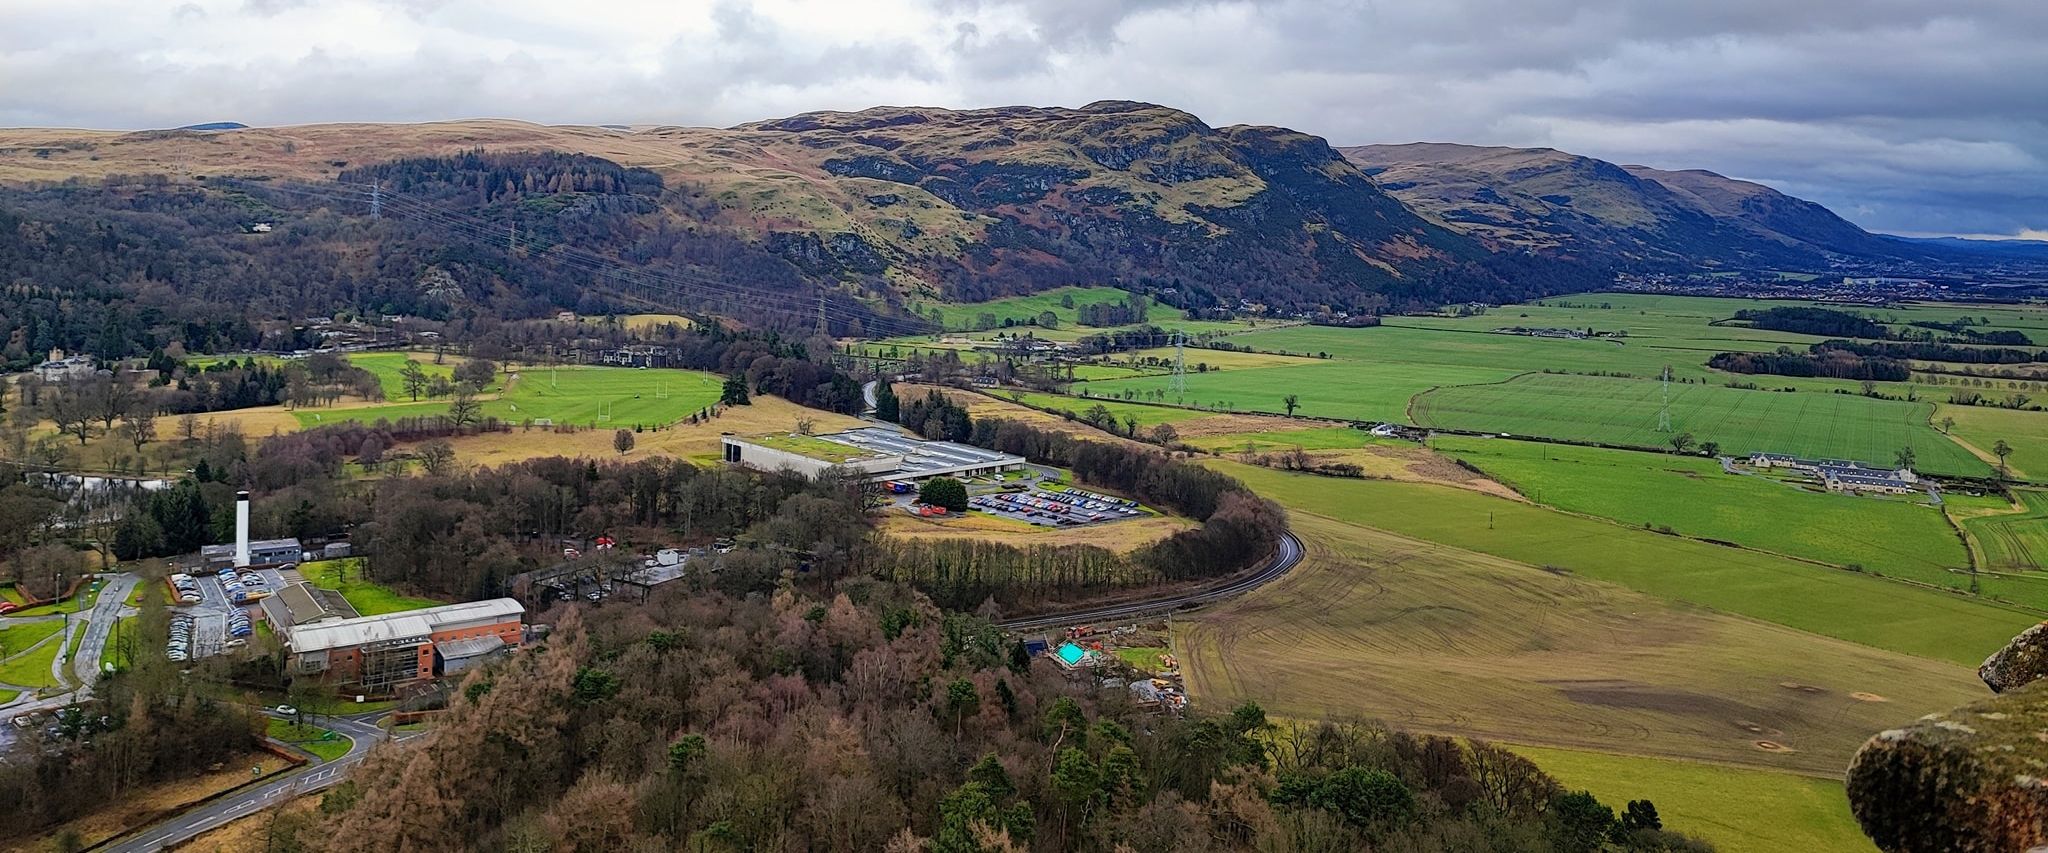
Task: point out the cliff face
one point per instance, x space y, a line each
961 204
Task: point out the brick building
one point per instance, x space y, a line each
376 654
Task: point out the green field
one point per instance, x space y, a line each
1693 496
1624 412
1351 390
2025 432
1455 372
1739 811
1023 310
2014 542
1831 602
368 597
1146 415
323 744
604 396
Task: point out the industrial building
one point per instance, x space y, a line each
872 453
377 654
244 553
305 604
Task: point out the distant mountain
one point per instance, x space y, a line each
964 204
217 125
1568 205
2034 250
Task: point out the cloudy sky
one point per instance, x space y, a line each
1907 116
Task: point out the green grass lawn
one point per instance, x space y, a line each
323 744
1145 658
1694 497
7 696
1832 602
605 396
1738 810
1624 412
1146 415
15 639
368 597
9 593
32 669
2014 542
1352 390
73 604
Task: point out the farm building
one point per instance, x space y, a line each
375 654
874 453
1843 476
1884 482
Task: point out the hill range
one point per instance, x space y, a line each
896 203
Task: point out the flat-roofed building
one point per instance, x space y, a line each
305 604
872 453
375 654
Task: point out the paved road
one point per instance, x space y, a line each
1286 557
867 393
277 791
99 623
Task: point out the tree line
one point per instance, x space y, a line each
870 720
1833 363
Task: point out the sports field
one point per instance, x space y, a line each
1693 496
583 395
1738 810
2014 541
1873 611
1624 412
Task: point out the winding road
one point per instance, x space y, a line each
362 732
1286 557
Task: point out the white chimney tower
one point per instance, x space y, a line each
241 530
